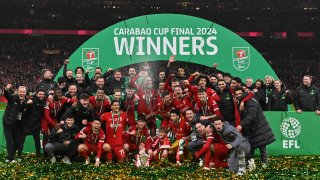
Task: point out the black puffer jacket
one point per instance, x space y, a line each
226 106
46 85
307 98
14 110
67 134
255 125
32 117
79 113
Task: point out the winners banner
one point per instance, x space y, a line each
157 37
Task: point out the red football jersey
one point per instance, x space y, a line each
115 127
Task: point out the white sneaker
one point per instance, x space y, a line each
241 172
251 165
7 160
201 162
13 161
264 165
87 161
206 168
19 160
178 163
66 160
53 160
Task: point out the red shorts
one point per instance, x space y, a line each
117 152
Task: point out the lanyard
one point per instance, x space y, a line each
55 109
95 139
115 127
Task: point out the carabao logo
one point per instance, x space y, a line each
90 58
241 58
290 127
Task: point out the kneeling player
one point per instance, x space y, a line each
159 145
137 135
93 137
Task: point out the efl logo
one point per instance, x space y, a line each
241 58
290 128
90 58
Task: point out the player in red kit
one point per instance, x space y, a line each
202 81
147 100
159 145
181 101
94 138
165 108
116 121
99 102
128 105
206 106
181 130
137 135
53 112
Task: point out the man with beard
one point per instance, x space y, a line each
62 84
15 108
195 140
181 129
100 103
31 123
238 145
256 127
307 96
53 111
226 103
214 150
165 108
47 83
99 83
147 100
180 101
81 112
206 107
81 83
68 73
132 73
94 138
128 105
174 83
116 122
115 82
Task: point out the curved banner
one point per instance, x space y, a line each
156 37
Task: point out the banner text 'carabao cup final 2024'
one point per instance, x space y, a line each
156 37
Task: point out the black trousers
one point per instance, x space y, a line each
36 138
12 135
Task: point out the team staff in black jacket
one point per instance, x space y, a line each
82 113
47 83
279 97
31 120
61 139
226 103
307 96
16 106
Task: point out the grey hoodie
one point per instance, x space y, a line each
230 135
